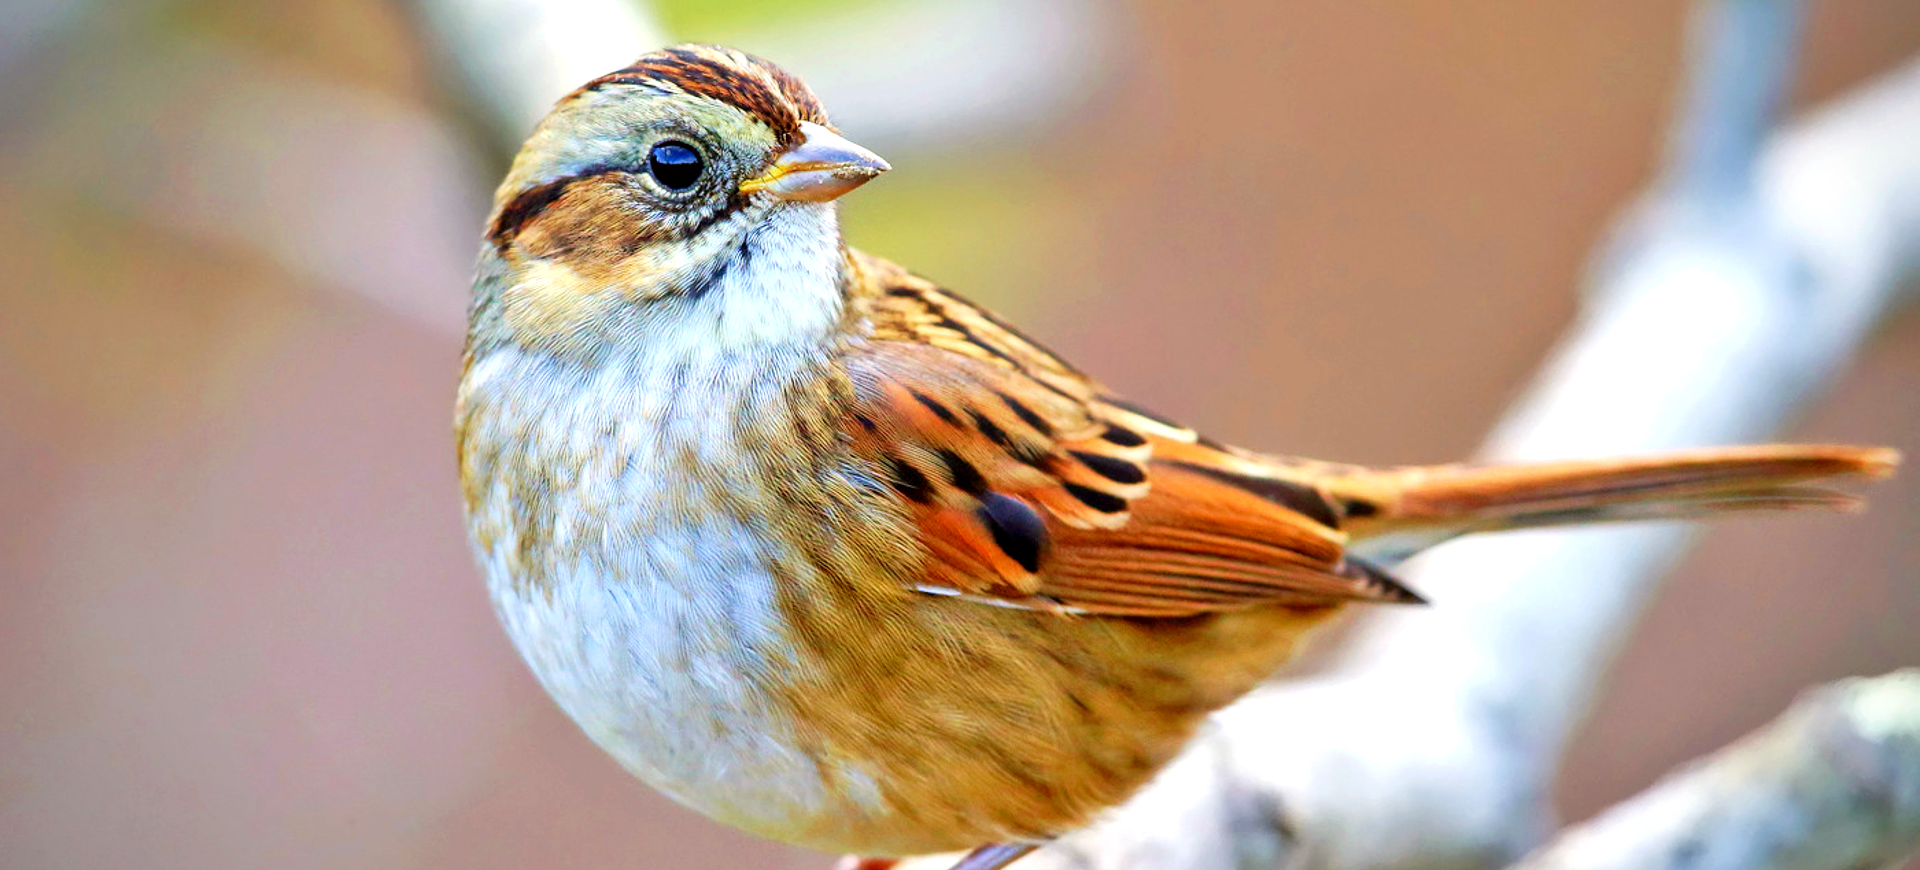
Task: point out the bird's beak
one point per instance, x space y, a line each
819 169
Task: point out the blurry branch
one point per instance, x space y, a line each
939 74
1833 783
1743 55
510 59
34 26
345 189
909 74
1741 286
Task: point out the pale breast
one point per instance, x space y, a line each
641 590
670 684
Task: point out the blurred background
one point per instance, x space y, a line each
240 625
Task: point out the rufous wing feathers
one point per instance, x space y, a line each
1028 484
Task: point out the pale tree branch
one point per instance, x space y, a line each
1833 783
909 74
1725 302
511 59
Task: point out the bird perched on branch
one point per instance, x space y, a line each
827 552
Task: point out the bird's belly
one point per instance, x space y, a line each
667 654
984 724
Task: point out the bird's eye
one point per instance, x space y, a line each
675 165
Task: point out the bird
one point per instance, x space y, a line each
825 551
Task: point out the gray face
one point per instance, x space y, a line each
623 224
677 159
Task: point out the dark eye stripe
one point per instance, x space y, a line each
529 203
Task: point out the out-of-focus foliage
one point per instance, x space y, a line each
718 19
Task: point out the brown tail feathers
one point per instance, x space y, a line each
1404 510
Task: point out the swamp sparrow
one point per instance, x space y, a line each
831 554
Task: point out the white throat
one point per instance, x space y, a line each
779 290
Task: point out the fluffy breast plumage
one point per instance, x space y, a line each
618 531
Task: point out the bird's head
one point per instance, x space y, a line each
687 198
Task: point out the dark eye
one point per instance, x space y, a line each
675 165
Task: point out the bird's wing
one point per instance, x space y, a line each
1032 486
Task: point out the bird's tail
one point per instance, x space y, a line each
1394 512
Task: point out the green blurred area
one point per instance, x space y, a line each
993 229
719 20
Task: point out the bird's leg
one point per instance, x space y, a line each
995 856
991 857
855 862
